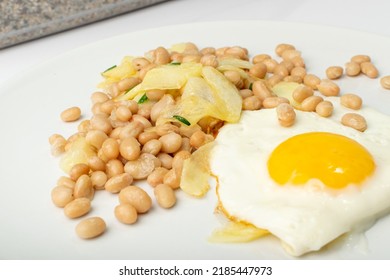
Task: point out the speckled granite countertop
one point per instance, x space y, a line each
23 20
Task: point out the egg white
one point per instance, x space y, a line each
303 218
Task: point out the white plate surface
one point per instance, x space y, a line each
32 228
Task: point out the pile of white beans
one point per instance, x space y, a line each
131 148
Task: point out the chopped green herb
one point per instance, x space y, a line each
143 99
181 119
175 63
250 86
108 69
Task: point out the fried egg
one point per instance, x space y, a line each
307 184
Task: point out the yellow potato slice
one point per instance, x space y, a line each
80 151
197 101
286 89
122 71
235 232
170 76
239 63
211 96
165 77
196 172
179 47
227 98
223 68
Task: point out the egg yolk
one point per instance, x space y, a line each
334 159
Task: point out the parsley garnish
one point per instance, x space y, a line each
143 99
181 119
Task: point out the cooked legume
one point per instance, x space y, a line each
311 80
289 55
140 62
101 122
352 69
334 72
273 80
274 101
155 94
128 83
328 88
137 197
131 130
281 48
165 196
351 101
91 227
83 187
142 167
258 70
209 60
61 196
116 183
271 64
355 121
309 104
77 170
110 148
369 70
83 127
260 90
291 78
71 114
286 114
98 179
157 176
96 164
123 113
130 148
298 71
170 142
301 93
360 58
99 97
324 108
281 70
66 181
166 160
385 82
161 56
260 58
77 208
126 213
171 179
96 138
114 167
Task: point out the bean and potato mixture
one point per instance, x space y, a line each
154 113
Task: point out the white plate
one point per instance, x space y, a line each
32 228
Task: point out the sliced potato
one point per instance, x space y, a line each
286 89
165 77
237 232
80 151
196 172
224 68
227 98
239 63
170 76
122 71
197 101
179 47
213 96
